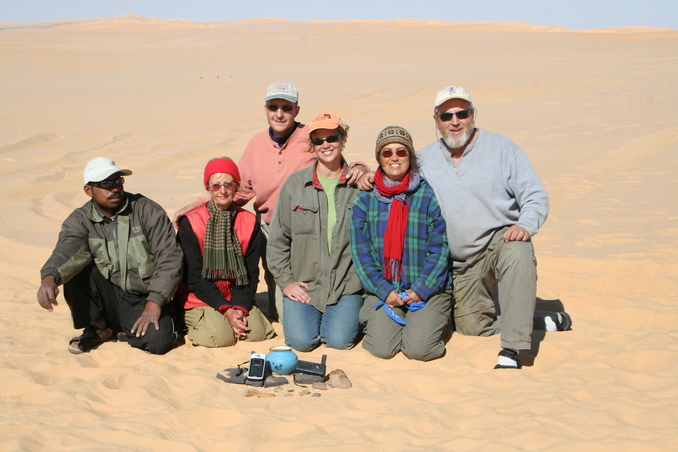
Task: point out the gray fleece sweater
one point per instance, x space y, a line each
494 185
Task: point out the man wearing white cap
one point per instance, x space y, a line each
493 203
119 262
269 158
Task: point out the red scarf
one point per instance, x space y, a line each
394 237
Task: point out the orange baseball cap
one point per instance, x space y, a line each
325 120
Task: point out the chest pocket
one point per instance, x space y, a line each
304 217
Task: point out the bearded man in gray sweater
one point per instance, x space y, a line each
493 203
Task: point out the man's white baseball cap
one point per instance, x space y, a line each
451 92
101 168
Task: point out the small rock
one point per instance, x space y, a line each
278 389
289 395
304 392
320 385
339 379
315 394
251 393
262 395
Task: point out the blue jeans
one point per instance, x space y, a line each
305 327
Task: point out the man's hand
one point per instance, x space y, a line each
48 292
297 292
366 181
150 315
516 233
355 173
238 322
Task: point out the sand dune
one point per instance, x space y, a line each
594 109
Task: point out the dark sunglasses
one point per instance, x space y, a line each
108 184
387 154
461 114
330 139
285 108
228 186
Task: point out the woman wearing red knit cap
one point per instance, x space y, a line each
221 244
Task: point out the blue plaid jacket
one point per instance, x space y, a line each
425 260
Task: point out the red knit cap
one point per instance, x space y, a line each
221 165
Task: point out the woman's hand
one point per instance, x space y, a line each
238 322
412 297
393 300
297 292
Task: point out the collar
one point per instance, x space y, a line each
415 181
282 141
98 217
342 179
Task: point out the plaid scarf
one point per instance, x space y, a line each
223 257
394 236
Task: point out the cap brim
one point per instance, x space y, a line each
287 97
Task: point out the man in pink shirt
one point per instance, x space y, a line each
269 158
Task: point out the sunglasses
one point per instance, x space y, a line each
285 108
108 184
461 114
387 154
330 139
230 186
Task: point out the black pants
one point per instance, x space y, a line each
91 297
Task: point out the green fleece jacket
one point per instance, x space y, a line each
137 251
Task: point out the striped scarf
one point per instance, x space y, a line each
223 257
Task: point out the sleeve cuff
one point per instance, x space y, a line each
225 307
53 272
157 299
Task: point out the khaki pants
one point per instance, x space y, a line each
210 328
421 338
513 266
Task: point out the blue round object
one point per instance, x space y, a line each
282 359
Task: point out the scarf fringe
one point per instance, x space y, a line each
219 274
392 270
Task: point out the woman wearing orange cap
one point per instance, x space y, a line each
308 249
221 244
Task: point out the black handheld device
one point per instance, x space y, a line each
311 368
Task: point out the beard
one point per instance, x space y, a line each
458 141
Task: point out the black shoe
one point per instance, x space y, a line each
508 353
562 320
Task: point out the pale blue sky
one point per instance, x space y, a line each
576 14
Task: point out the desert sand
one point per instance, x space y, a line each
595 110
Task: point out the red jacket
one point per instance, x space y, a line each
245 224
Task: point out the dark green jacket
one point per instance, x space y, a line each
137 251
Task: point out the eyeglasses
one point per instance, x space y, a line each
387 154
330 139
230 186
285 108
108 184
461 114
